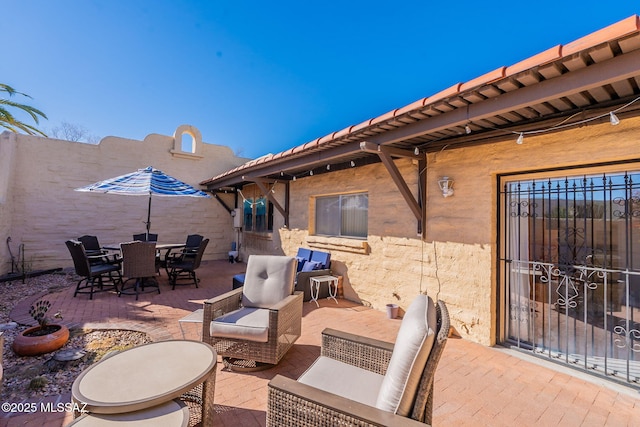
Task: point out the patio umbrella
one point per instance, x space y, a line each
145 182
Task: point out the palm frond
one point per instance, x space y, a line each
8 121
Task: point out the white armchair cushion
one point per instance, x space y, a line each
345 380
247 323
269 280
410 352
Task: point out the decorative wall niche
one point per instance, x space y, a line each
187 142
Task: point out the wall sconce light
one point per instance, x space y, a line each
446 185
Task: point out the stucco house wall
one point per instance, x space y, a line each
456 260
40 209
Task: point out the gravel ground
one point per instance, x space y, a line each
41 376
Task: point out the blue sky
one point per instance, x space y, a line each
261 77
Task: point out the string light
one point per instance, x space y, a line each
613 119
328 167
310 173
247 202
416 151
467 129
353 164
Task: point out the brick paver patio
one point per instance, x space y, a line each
475 385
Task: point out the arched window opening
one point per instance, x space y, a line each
188 143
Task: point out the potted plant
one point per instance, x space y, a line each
44 338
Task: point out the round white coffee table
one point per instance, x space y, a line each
149 375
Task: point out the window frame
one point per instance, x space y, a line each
313 217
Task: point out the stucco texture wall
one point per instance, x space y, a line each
392 265
40 209
457 257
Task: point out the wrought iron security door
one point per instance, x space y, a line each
570 262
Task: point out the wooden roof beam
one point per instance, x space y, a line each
386 156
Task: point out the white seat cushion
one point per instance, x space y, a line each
344 380
251 324
410 353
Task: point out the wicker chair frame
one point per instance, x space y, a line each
139 267
285 327
294 403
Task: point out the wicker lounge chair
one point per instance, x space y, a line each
366 382
139 267
254 326
90 273
184 268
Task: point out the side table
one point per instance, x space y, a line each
195 317
315 282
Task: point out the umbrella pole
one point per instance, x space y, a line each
149 217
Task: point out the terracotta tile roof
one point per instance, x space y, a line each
619 39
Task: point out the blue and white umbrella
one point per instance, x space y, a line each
143 182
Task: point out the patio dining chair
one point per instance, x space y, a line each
184 269
189 250
139 267
106 275
91 245
253 327
193 243
142 237
95 252
366 382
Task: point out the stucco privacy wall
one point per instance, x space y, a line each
39 208
457 258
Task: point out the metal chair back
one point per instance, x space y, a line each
90 243
199 254
142 237
193 241
80 259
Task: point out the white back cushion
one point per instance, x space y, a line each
411 350
269 279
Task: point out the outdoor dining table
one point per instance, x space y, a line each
168 247
149 375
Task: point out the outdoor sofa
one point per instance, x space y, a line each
310 263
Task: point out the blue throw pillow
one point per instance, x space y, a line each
311 265
301 262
